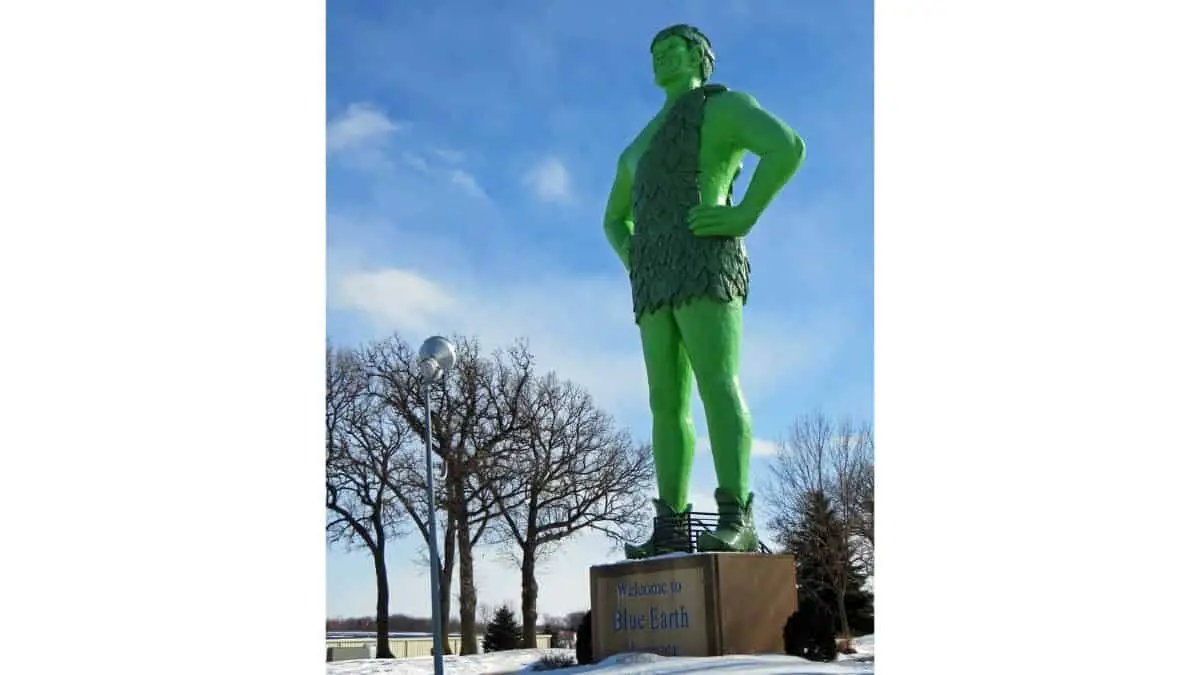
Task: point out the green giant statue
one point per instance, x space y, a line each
672 221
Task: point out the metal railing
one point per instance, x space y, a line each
679 532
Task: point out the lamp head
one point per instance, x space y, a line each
435 358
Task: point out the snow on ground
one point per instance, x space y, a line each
762 664
357 634
370 635
472 664
521 660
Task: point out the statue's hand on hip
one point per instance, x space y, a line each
720 221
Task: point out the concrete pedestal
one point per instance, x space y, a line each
700 604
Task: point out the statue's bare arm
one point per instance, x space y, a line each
618 214
744 125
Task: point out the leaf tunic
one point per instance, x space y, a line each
670 266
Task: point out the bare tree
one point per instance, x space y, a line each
569 470
838 461
474 414
864 525
485 612
363 443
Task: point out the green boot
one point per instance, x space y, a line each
666 539
735 526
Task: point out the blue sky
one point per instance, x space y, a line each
470 151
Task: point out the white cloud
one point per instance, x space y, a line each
360 126
467 182
549 180
400 298
761 447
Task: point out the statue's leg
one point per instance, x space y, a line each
673 436
669 375
712 333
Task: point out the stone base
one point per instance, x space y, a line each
700 604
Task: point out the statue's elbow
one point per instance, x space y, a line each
798 148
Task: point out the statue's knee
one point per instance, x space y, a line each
724 389
666 403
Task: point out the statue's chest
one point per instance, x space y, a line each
667 148
676 144
632 156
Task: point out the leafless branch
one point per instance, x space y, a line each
364 445
566 470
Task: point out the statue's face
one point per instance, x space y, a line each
674 60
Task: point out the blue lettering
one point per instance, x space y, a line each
624 620
662 650
675 619
642 590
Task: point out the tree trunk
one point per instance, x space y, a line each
466 579
446 580
529 594
841 600
383 648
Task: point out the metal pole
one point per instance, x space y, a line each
434 566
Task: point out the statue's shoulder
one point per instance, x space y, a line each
728 103
727 96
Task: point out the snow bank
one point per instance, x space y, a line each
472 664
762 664
521 660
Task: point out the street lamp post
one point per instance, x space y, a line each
435 358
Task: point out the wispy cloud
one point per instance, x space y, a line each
549 180
466 181
441 164
359 126
761 447
450 156
361 137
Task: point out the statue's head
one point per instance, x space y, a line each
681 52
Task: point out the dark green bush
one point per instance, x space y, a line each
553 662
583 640
810 632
